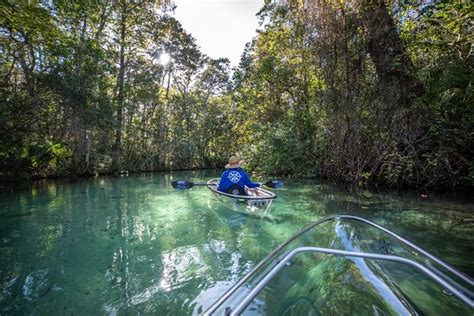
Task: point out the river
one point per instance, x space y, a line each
134 245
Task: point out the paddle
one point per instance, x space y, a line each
183 184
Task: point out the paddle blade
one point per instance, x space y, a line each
276 184
182 184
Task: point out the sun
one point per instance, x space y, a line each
165 58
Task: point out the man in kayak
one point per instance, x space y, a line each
235 180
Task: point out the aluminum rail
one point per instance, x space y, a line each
261 285
458 273
271 255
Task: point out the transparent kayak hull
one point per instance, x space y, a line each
258 201
348 274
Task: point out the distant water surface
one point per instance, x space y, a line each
134 245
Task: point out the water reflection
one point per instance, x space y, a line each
181 265
135 245
346 236
348 285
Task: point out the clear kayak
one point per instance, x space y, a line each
364 269
258 200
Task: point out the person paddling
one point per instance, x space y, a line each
235 179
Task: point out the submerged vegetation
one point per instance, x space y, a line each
359 91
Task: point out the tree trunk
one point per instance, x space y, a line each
394 68
117 163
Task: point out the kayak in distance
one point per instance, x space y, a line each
257 200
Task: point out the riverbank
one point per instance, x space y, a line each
463 194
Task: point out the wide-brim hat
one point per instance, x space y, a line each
234 162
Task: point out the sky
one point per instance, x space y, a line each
221 27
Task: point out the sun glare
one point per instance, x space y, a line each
165 58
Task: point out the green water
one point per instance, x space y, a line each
134 245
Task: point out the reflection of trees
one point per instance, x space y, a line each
135 244
420 221
349 285
328 284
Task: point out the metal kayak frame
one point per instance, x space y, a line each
434 274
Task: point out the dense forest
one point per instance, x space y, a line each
369 92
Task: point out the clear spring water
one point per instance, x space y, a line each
134 245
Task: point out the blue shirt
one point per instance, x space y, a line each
235 176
